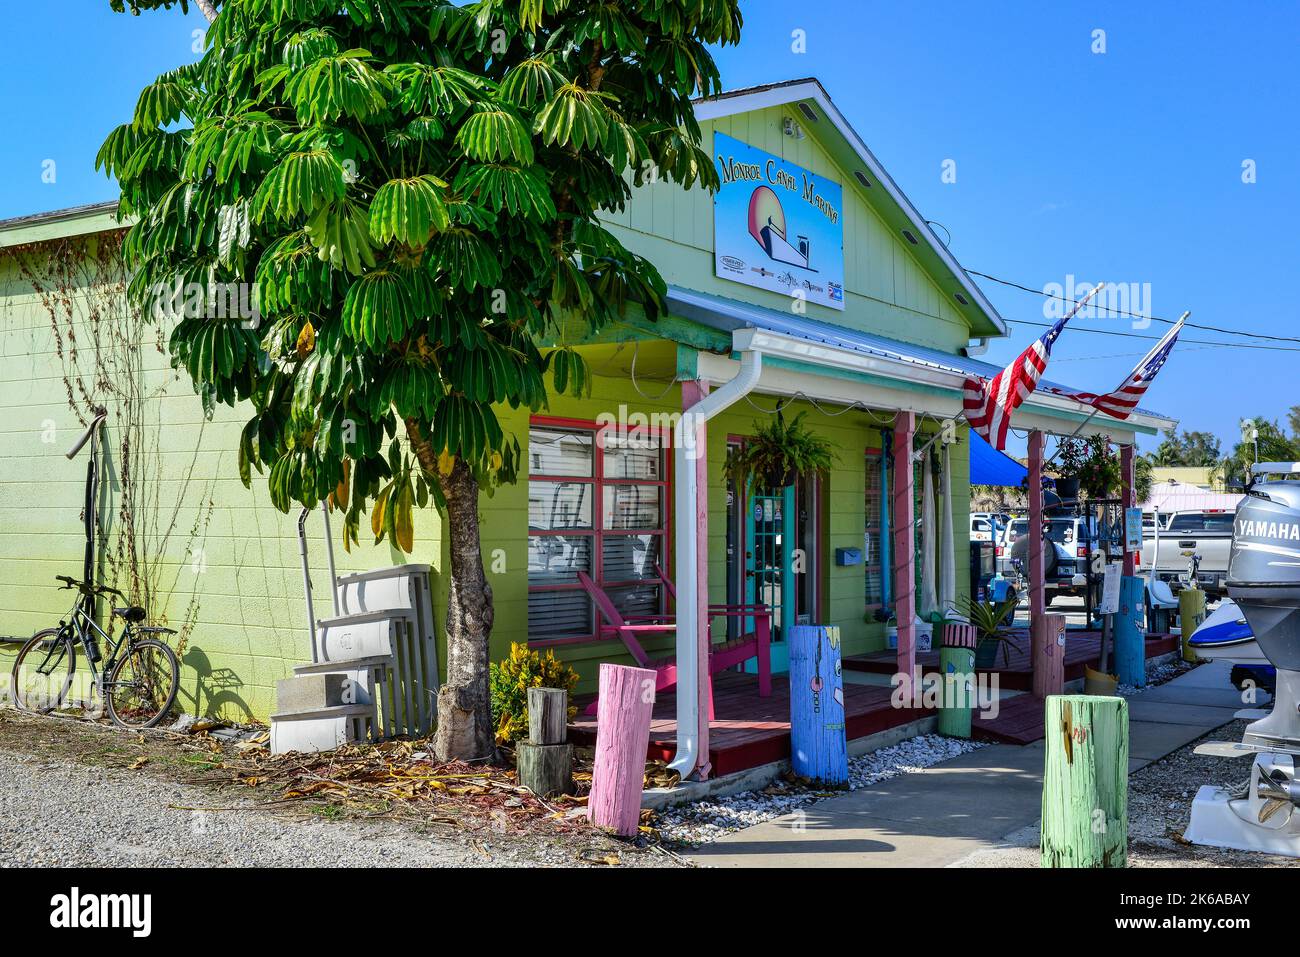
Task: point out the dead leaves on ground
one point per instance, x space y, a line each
401 779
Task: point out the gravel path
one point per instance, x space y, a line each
58 813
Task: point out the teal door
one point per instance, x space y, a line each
769 577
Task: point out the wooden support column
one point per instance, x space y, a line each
1128 492
1048 656
1034 551
904 541
693 391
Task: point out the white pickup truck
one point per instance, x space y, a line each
1207 533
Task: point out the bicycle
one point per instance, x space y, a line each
139 687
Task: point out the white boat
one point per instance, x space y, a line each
1226 634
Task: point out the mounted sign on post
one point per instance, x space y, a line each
1110 589
1133 530
776 225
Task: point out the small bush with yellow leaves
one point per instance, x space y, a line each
525 668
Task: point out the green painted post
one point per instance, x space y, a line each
957 671
1085 782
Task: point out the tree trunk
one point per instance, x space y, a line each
208 9
465 731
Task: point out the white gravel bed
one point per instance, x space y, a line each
704 821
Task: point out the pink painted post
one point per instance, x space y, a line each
1049 656
1128 492
1037 571
627 697
904 541
693 391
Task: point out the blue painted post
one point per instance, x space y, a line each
1130 639
818 745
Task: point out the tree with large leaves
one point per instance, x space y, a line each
414 188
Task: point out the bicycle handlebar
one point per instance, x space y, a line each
69 582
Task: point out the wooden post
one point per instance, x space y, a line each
545 761
904 543
1048 655
1128 493
1085 782
548 715
1130 637
693 391
957 671
627 697
1034 550
818 746
1191 613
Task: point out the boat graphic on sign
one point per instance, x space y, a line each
768 227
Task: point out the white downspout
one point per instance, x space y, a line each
686 449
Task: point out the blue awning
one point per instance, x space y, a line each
988 466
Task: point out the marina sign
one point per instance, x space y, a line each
776 225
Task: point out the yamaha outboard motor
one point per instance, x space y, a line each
1264 581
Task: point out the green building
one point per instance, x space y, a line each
809 259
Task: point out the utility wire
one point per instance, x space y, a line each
1134 315
1138 335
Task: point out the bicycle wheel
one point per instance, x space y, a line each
142 686
42 672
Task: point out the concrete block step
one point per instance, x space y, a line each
343 665
323 730
311 692
335 711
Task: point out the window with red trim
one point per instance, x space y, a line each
597 503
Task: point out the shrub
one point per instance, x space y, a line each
522 669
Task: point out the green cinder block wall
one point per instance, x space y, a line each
216 555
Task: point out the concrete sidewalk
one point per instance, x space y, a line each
936 817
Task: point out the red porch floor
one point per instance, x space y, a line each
749 731
1081 648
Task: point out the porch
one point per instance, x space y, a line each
749 731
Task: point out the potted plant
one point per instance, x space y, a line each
1087 465
777 453
1070 458
988 617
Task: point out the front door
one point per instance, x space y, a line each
772 556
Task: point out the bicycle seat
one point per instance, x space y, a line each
132 613
155 630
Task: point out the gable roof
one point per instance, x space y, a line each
820 117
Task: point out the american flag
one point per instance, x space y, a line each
989 402
1125 398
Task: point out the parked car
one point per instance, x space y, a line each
1207 533
1072 537
985 526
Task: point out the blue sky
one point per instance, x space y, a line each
1124 166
